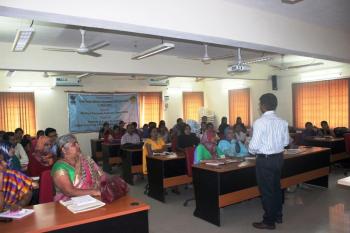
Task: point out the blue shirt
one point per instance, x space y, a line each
229 148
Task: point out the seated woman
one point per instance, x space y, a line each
325 130
186 138
163 133
223 125
152 145
42 158
75 174
15 188
7 150
239 124
105 130
232 147
207 149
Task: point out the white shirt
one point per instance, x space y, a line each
270 135
127 138
21 155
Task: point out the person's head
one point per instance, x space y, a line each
134 124
229 134
52 134
238 120
152 124
121 124
224 120
203 125
27 144
187 129
7 150
130 129
179 121
105 125
9 137
19 134
204 119
43 144
116 129
162 129
69 146
161 124
145 126
3 163
268 102
153 132
210 126
324 125
40 133
210 137
2 133
308 125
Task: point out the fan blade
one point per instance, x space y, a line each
60 50
190 58
277 67
93 54
84 75
305 65
260 59
97 45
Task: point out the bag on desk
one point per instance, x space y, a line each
113 188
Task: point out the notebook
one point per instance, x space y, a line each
82 204
16 214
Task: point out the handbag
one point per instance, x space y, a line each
113 188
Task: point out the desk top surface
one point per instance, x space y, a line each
54 216
305 151
324 139
168 157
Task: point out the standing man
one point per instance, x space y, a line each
270 136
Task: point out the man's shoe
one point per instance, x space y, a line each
262 225
279 221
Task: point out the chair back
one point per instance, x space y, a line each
46 187
189 153
347 142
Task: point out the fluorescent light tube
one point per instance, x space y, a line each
153 51
10 73
22 39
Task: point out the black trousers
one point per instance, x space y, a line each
268 176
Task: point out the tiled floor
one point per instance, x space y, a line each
308 209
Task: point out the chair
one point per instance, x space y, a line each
46 187
347 148
189 153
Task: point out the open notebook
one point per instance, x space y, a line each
82 204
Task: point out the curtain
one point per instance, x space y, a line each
239 105
17 110
318 101
192 102
150 107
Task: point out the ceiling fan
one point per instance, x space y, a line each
83 49
243 66
284 66
206 59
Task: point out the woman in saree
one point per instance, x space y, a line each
15 188
42 158
75 174
207 149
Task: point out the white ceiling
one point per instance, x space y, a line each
326 13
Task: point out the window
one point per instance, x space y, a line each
17 110
150 107
318 101
239 105
192 102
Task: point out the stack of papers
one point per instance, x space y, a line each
82 204
217 163
292 151
344 181
16 214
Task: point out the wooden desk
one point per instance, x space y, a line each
110 154
132 164
337 146
96 149
165 172
119 216
217 187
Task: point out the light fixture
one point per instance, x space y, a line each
9 73
153 51
291 1
22 39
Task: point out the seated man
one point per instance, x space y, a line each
325 130
232 147
15 188
309 131
130 137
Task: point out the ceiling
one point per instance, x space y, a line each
327 13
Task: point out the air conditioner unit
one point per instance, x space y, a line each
68 82
155 82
